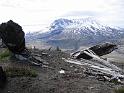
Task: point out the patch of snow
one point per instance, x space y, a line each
62 72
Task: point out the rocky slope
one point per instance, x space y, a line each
58 77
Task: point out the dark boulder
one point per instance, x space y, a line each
3 78
99 50
103 49
13 36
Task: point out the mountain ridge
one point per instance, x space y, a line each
74 33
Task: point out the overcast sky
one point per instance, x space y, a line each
33 14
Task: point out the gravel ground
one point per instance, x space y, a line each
59 77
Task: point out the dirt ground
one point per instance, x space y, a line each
52 79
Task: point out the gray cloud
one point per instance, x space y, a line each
82 13
30 11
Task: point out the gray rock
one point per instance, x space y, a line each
99 50
103 49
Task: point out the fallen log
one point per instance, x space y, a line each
98 66
100 70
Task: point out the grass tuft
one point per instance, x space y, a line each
18 72
5 54
119 90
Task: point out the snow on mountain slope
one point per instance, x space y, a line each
78 32
82 25
81 28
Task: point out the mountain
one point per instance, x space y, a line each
73 33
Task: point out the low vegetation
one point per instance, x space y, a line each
13 71
119 90
18 72
5 54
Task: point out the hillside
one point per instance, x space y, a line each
58 77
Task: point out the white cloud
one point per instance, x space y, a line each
27 12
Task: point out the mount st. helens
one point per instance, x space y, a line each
74 33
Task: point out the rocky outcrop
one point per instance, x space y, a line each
13 36
82 54
103 49
99 50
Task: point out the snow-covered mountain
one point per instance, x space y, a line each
73 33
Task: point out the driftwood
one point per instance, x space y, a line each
101 69
97 66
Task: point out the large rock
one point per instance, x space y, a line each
3 78
82 54
99 50
13 36
103 49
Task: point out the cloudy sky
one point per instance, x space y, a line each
35 14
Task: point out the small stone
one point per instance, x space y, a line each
62 72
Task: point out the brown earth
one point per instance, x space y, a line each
50 80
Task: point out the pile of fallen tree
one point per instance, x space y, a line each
96 65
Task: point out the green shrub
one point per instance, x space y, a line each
119 90
18 72
5 54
